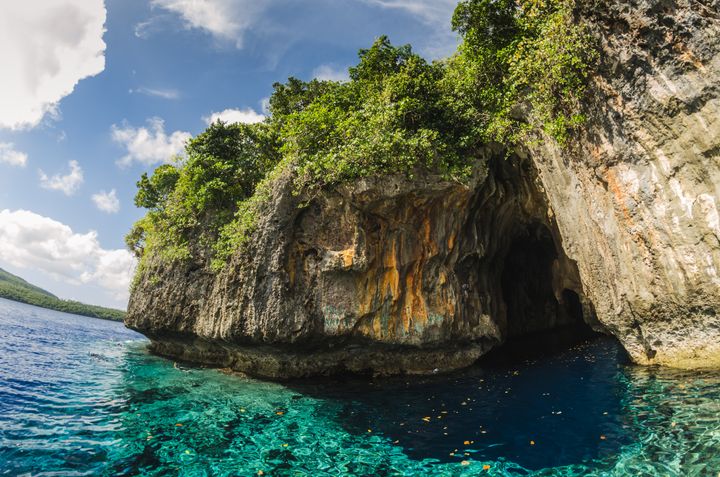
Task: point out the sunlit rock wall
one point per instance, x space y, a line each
637 201
394 274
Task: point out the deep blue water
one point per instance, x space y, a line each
80 396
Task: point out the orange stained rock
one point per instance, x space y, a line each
348 255
291 268
414 307
451 240
428 245
390 281
620 195
687 56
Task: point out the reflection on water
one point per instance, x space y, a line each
82 397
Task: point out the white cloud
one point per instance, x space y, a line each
149 145
47 47
265 105
107 201
68 184
247 116
430 11
8 155
331 73
435 13
234 21
158 93
226 20
40 243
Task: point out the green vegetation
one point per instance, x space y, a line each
15 288
523 64
521 71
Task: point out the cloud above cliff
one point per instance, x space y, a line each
331 73
163 93
47 47
434 13
107 202
68 183
246 116
32 241
149 145
226 20
9 155
231 22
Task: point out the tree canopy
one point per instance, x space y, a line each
521 70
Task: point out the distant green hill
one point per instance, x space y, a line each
15 288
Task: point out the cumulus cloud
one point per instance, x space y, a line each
47 47
435 13
331 73
36 242
149 145
226 20
247 116
107 201
8 155
430 11
157 92
236 22
68 184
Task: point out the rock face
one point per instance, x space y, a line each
637 206
620 231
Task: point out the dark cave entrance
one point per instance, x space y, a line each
540 316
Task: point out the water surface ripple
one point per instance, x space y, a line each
80 396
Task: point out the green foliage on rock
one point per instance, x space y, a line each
191 201
522 69
390 117
523 64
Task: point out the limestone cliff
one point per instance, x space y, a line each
620 230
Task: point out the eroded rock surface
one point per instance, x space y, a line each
637 206
621 231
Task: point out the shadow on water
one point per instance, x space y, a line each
545 400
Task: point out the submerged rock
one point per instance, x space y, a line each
388 275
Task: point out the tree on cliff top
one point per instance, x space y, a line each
522 68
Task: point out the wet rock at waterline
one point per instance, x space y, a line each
620 231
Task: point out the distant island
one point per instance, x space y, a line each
15 288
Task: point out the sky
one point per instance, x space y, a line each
93 93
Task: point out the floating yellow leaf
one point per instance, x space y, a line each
532 443
426 418
486 467
467 443
178 425
279 413
465 462
602 437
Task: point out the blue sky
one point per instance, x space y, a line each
94 93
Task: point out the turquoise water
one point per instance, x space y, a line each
80 396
